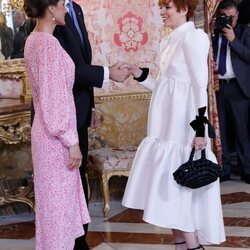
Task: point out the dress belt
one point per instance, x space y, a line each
230 80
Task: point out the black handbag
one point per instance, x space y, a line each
197 173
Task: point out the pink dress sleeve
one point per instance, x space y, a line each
55 94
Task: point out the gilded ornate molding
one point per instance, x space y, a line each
15 128
24 194
17 4
15 69
12 68
99 99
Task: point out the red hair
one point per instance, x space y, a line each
190 5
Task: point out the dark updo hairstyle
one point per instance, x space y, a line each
36 8
181 4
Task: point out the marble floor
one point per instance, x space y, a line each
124 229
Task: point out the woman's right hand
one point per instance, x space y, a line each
133 69
75 157
199 143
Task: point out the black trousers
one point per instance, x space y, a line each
81 243
233 110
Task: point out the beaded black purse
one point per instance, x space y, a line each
197 173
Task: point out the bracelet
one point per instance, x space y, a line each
144 75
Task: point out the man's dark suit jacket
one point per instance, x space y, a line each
240 56
87 76
19 42
7 37
20 38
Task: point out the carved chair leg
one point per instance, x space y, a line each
24 194
105 188
89 191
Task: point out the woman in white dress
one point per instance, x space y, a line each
194 215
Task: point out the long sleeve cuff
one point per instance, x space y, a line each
199 124
144 75
69 138
106 74
105 85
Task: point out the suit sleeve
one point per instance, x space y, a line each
90 75
54 95
242 48
196 47
149 83
86 75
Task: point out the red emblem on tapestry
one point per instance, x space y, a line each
130 35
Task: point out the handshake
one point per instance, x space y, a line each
120 71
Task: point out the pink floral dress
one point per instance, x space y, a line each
61 209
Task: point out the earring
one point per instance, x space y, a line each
53 19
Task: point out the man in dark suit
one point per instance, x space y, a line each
232 55
23 26
6 38
74 39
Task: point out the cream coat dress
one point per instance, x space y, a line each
177 93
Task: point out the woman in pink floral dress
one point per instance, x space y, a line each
60 204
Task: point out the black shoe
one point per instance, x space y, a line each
224 178
196 248
180 243
81 244
246 178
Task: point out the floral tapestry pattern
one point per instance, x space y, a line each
130 35
213 84
124 31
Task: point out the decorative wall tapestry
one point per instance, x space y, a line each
128 31
213 84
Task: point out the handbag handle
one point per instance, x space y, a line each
203 154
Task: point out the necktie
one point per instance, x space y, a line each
74 19
223 56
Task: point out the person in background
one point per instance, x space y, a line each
231 47
19 18
179 95
61 209
74 39
6 36
21 28
1 55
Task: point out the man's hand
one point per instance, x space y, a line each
95 121
134 70
118 74
229 33
214 67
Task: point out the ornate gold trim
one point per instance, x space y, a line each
17 4
116 97
24 194
12 68
15 128
15 69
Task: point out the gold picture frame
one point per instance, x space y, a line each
15 69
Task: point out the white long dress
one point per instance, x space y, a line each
178 92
